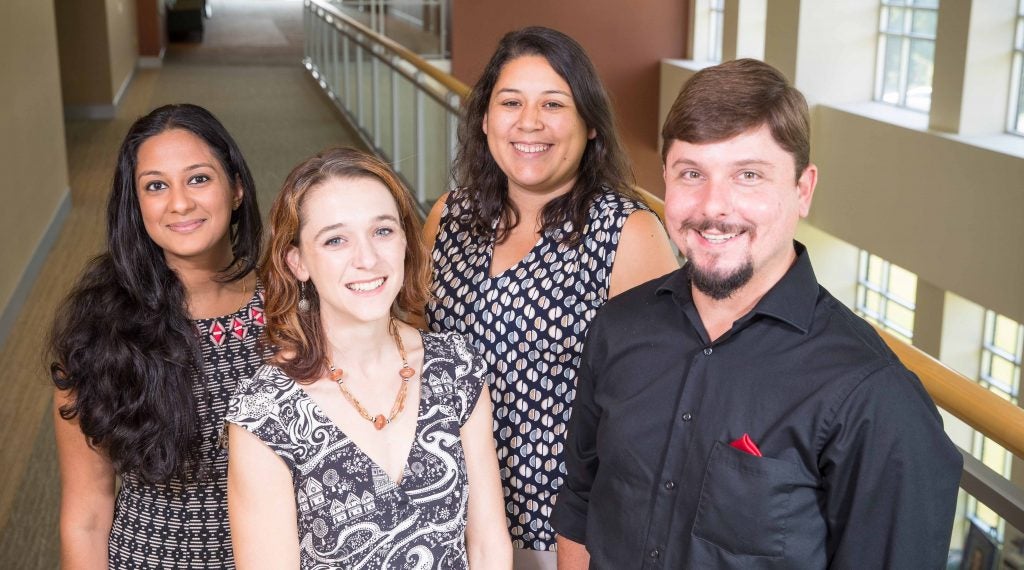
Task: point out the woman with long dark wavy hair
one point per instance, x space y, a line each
544 227
149 345
363 443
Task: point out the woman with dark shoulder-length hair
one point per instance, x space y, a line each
149 345
365 443
544 227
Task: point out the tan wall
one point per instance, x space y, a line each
85 76
949 211
625 44
32 154
124 43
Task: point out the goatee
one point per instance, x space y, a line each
717 286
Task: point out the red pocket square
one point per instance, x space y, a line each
746 444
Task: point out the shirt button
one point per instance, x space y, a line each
655 554
687 416
670 485
707 351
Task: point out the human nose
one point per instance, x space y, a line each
716 199
530 118
180 199
365 253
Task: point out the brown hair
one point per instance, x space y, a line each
298 336
723 101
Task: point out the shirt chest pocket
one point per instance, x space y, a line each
744 505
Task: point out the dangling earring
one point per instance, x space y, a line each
303 301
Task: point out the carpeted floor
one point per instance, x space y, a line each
247 71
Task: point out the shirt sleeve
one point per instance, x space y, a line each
569 517
257 406
891 476
470 376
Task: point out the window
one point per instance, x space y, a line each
906 53
716 25
886 295
1017 97
1001 351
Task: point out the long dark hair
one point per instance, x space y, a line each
604 164
122 341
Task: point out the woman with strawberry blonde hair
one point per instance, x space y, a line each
364 443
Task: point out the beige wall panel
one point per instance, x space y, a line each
32 154
124 44
84 52
951 212
625 44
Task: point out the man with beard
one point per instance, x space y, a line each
734 414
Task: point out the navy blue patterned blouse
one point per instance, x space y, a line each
529 322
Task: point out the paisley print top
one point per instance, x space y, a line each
184 524
529 322
351 514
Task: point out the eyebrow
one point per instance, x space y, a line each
738 163
332 227
545 92
187 169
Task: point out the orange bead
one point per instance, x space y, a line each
380 422
407 372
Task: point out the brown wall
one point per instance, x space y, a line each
32 155
150 16
625 40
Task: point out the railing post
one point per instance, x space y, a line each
442 25
359 81
421 154
395 131
375 100
335 74
346 96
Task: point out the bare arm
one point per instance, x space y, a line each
433 221
644 253
571 555
87 494
261 504
487 539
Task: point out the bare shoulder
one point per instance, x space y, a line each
644 252
433 222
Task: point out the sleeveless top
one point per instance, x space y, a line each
179 523
529 322
351 514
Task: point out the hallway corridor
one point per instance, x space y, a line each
248 72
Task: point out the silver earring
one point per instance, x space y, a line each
303 301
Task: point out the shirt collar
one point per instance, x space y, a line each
792 300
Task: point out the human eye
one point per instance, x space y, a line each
554 105
155 186
334 241
510 103
690 176
384 231
199 179
749 176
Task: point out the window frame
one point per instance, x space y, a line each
905 38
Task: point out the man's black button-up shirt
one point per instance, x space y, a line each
856 470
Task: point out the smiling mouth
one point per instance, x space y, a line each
365 286
719 238
185 226
530 148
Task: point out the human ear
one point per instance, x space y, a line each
805 188
294 260
484 124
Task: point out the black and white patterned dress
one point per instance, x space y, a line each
529 322
182 524
351 514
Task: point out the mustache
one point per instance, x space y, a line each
720 227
